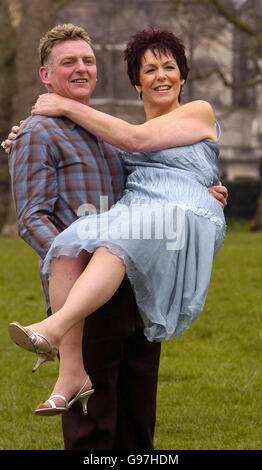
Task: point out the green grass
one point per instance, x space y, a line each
210 380
21 299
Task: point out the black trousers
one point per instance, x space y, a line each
123 367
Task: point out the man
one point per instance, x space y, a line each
58 169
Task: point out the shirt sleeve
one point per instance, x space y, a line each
35 189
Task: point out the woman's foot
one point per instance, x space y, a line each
33 341
67 390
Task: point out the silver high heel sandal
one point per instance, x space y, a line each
34 342
52 410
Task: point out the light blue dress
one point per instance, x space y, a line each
167 229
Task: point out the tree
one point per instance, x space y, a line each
8 87
210 19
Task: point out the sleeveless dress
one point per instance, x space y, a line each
167 228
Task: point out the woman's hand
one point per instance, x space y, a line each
6 144
50 104
220 193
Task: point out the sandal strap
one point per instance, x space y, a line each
84 386
82 389
76 397
39 341
52 403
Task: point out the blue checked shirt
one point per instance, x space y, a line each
58 170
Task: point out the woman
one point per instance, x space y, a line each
165 230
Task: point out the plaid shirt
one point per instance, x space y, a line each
56 167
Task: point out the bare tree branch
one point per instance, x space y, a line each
231 16
228 12
233 85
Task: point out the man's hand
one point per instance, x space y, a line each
6 144
220 193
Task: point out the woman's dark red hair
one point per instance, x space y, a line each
156 40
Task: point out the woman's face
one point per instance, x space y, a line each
160 81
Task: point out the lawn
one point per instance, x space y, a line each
210 380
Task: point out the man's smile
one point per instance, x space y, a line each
80 80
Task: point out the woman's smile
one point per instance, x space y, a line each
162 88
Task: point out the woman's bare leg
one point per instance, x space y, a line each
72 374
96 285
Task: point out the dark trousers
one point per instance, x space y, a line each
123 367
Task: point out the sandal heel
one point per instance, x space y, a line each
84 401
41 360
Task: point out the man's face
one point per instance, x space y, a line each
71 70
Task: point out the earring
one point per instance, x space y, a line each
139 96
182 92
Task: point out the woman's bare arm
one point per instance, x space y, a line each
185 125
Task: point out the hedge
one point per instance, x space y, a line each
243 197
